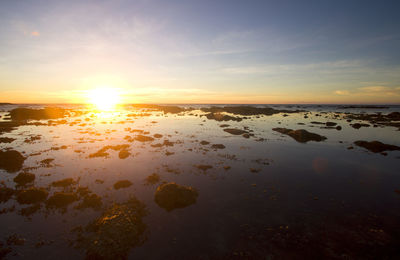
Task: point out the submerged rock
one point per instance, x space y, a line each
123 154
11 160
172 196
93 201
376 146
64 183
6 140
32 195
24 178
301 135
61 200
144 138
218 146
115 233
5 194
235 131
152 179
122 184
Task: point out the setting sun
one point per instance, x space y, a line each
104 99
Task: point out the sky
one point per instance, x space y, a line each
159 51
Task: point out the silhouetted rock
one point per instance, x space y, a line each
61 199
221 117
19 114
172 196
235 131
11 160
32 195
358 125
301 135
24 178
376 146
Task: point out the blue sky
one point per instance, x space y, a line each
201 51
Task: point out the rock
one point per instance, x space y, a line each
61 200
203 167
115 233
32 195
90 201
11 160
24 178
152 179
144 138
64 183
6 140
171 196
123 154
218 146
376 146
204 143
358 125
19 114
301 135
6 194
235 131
221 117
122 184
330 123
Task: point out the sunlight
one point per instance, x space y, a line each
104 98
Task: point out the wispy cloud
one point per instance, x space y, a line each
379 91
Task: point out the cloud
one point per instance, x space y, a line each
381 91
342 92
35 33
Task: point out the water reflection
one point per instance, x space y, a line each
216 182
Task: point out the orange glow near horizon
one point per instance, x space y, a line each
104 98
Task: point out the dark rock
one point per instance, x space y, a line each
376 146
301 135
172 196
122 184
24 178
11 160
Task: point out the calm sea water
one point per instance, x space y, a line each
267 196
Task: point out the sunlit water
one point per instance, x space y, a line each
278 198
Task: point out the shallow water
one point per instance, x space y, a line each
279 198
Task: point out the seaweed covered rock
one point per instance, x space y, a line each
24 178
173 196
64 183
235 131
116 232
5 194
61 200
11 160
376 146
32 195
221 117
122 184
18 114
93 201
301 135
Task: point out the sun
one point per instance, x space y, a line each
104 98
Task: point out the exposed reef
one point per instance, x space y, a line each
172 196
301 135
